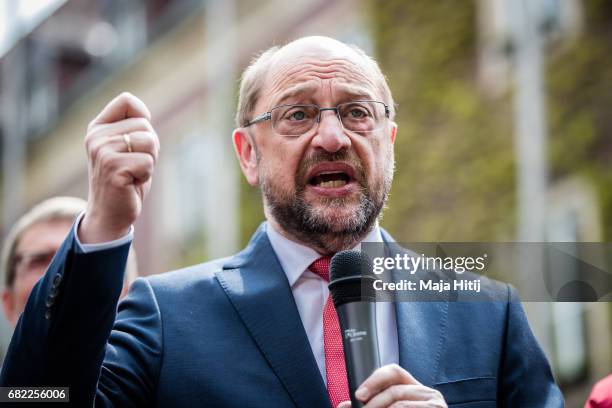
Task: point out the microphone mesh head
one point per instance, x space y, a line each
349 263
351 278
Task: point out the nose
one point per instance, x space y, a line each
330 134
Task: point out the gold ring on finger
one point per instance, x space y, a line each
128 142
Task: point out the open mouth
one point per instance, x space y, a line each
330 179
334 179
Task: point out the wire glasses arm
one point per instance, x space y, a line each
260 118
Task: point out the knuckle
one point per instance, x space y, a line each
149 141
93 135
102 158
434 393
93 152
150 162
396 370
397 392
437 400
125 97
87 141
146 165
106 159
143 124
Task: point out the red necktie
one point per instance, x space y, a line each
335 367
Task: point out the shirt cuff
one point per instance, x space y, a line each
86 248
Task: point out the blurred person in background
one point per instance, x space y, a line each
30 246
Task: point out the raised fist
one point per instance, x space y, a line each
122 149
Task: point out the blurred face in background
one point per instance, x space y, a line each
33 254
327 186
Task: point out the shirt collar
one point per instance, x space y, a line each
296 258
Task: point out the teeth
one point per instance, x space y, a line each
332 183
330 172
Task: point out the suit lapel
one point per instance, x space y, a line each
421 335
259 291
421 331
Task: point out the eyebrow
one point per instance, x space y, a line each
355 91
350 90
296 90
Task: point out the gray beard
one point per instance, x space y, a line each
316 228
302 222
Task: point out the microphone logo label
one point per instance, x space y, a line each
354 335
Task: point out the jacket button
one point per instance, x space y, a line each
53 292
57 279
48 314
50 301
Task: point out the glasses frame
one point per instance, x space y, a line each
23 262
268 115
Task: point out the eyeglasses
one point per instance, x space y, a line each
296 120
35 261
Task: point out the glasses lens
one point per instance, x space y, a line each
294 120
362 116
34 262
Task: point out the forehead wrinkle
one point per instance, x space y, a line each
329 83
332 68
302 72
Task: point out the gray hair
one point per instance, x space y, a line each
253 78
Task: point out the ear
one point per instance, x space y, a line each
393 132
247 155
9 306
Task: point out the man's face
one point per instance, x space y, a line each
326 187
34 252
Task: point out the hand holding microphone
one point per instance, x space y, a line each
370 385
122 148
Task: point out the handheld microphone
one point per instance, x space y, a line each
351 288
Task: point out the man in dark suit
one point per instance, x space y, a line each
315 132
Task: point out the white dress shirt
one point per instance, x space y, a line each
310 293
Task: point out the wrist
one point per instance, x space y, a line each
94 230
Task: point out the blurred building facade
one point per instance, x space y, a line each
449 73
183 58
456 70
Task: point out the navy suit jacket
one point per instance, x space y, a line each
227 333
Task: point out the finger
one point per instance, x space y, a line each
344 404
122 107
122 126
103 132
140 142
138 166
383 378
144 142
403 392
124 169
